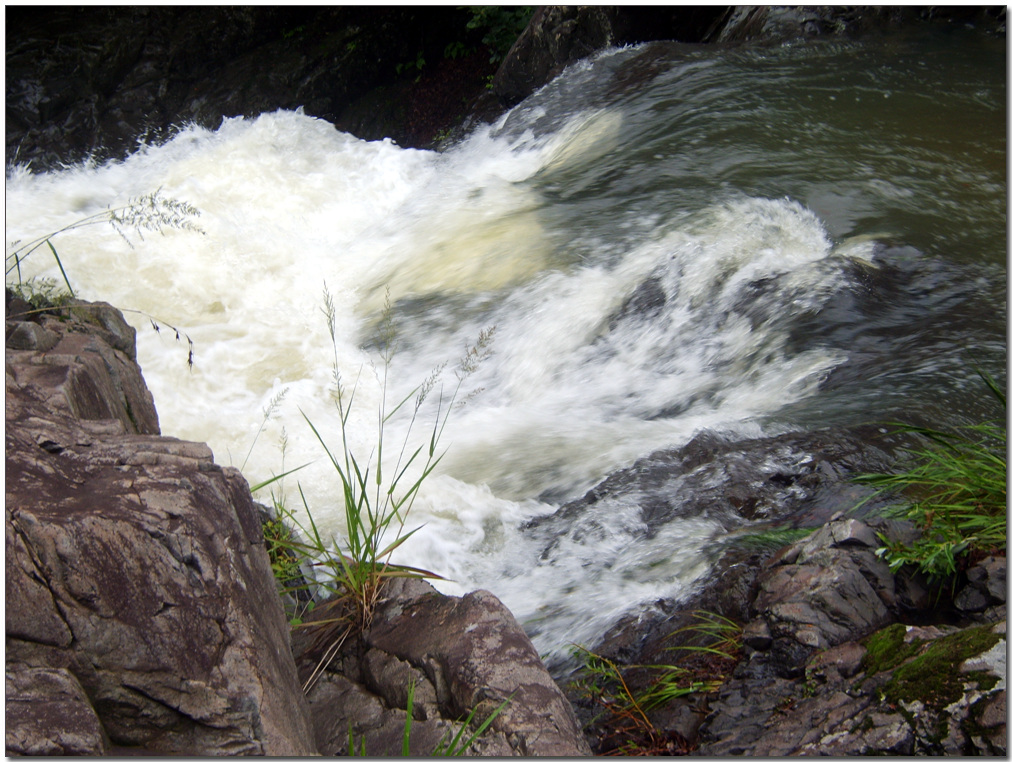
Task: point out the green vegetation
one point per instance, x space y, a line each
501 25
886 649
456 49
712 649
711 634
627 728
768 539
418 64
927 671
42 294
351 573
281 541
956 495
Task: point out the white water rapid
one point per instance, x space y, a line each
618 331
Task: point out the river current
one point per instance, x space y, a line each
665 239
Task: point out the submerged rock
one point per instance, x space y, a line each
797 479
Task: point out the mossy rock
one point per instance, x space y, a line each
928 671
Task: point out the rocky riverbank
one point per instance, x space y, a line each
836 654
142 615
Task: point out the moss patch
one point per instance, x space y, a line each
886 649
928 671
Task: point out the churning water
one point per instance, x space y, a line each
665 239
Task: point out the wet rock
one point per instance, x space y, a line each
644 303
842 706
799 478
750 486
986 585
756 635
780 24
560 35
555 37
777 24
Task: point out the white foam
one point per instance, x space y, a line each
289 203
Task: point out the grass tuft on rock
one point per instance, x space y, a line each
351 571
954 491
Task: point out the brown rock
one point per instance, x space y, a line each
476 656
47 713
83 367
140 601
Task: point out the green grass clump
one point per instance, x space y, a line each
955 493
768 539
352 571
42 294
712 649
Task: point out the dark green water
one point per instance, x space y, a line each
899 140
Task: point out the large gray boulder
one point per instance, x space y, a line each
141 613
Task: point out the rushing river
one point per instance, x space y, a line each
665 239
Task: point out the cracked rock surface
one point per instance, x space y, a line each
140 607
